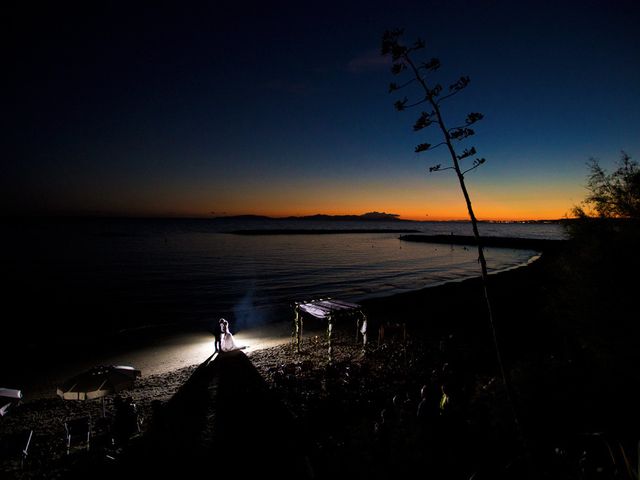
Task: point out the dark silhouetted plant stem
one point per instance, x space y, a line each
476 234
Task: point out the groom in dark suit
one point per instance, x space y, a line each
217 333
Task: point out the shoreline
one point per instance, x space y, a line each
167 348
177 358
164 349
159 354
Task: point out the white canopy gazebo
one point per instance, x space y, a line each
329 309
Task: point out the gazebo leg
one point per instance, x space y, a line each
363 330
329 331
297 331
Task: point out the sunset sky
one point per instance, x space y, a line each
281 108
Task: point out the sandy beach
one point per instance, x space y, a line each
167 362
166 366
158 355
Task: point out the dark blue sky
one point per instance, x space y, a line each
191 108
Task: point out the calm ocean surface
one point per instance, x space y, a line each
77 277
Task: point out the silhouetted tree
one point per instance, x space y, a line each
432 95
612 195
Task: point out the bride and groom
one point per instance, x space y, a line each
224 341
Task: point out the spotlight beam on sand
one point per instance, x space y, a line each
183 350
252 341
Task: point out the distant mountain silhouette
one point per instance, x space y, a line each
244 217
370 216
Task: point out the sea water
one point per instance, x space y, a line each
70 277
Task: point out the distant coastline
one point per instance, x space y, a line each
371 216
320 231
367 217
374 217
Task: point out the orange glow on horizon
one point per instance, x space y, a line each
500 215
413 202
484 211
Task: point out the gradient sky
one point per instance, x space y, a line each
281 108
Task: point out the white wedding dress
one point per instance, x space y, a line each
227 343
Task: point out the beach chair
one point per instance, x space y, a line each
78 432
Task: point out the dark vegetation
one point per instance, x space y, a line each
569 335
563 337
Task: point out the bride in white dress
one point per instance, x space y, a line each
226 338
